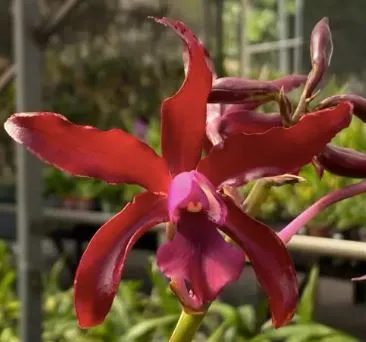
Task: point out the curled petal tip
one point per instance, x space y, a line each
182 136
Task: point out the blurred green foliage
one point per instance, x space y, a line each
139 317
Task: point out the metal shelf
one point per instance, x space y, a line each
355 250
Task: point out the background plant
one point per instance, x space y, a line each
138 316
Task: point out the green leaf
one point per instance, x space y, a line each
312 330
226 311
305 308
218 334
339 337
147 326
161 292
247 316
51 283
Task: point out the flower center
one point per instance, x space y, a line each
193 192
194 207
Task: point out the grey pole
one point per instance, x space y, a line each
206 23
298 34
245 57
28 98
283 35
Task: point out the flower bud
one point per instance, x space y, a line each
237 90
359 104
289 82
343 161
321 50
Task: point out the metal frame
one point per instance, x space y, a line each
28 98
282 45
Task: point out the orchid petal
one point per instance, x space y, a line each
289 82
192 187
198 255
230 90
100 268
335 196
343 161
244 157
236 119
113 156
270 259
359 104
184 114
253 93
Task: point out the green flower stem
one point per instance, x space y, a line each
186 327
187 324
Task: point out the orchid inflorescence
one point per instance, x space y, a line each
196 195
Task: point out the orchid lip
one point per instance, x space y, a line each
193 192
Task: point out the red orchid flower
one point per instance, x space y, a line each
182 189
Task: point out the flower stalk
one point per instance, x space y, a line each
186 327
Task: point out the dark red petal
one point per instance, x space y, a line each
113 156
271 262
184 114
239 90
100 268
237 119
359 104
343 161
244 157
289 82
200 256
